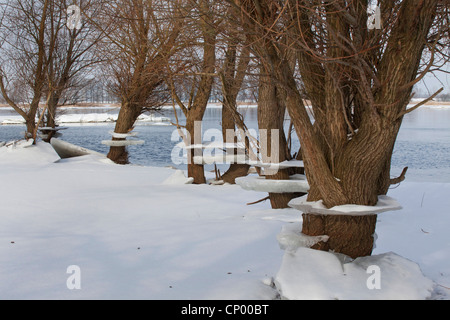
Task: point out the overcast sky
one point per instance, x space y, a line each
432 83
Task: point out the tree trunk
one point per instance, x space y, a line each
359 82
193 127
350 235
271 117
235 170
125 122
197 110
51 115
30 122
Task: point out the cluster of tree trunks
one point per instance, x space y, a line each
359 87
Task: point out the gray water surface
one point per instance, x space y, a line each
423 143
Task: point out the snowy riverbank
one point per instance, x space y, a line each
82 115
108 113
136 234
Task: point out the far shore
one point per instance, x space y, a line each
214 104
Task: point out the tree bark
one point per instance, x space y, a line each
125 122
196 111
235 170
350 235
195 170
233 77
271 117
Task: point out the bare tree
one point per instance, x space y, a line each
140 38
25 55
232 74
74 54
202 35
359 81
41 56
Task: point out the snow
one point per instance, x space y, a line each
384 204
123 135
71 118
139 232
103 117
291 238
22 152
68 150
178 177
282 165
212 145
312 274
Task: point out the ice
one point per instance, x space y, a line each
297 183
123 135
122 143
11 121
384 204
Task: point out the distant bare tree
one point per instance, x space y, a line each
140 38
201 33
74 55
26 55
41 55
232 73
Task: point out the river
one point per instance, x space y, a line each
423 143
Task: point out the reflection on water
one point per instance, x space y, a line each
423 143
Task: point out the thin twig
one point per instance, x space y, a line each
401 178
262 200
420 104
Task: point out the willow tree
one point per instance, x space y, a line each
74 55
140 37
198 76
232 74
359 81
42 55
25 56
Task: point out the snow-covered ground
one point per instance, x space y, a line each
84 228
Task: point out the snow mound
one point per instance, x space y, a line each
308 274
68 150
178 177
24 152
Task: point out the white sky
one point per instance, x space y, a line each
432 83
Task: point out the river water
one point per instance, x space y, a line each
423 143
